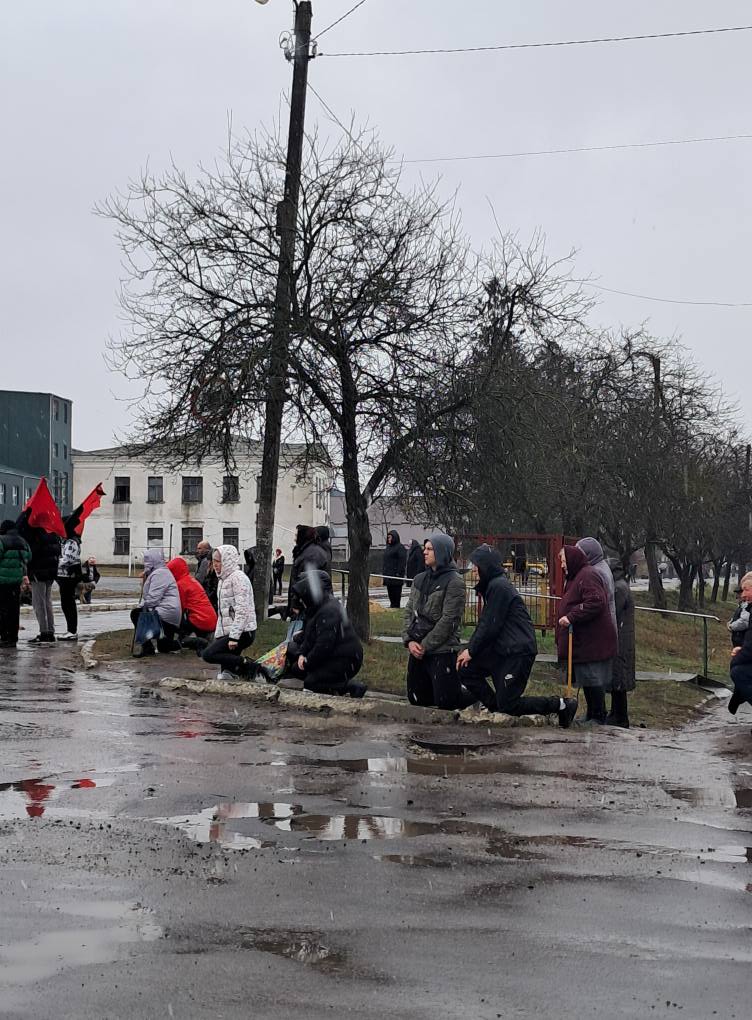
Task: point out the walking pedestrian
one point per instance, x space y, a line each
236 617
15 556
393 566
623 671
160 594
503 647
741 658
584 607
431 631
328 655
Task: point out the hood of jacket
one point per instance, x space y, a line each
592 549
304 534
153 558
230 560
489 564
313 588
8 528
576 559
178 568
249 556
443 547
322 534
617 569
394 535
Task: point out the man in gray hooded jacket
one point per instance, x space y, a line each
431 630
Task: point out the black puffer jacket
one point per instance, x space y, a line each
307 555
328 637
323 541
45 551
505 627
395 558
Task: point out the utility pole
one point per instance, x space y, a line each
287 214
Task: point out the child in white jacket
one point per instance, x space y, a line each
236 617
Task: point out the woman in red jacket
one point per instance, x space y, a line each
199 617
585 608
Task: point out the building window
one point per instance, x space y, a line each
65 451
193 489
64 487
122 541
2 492
122 490
154 537
55 450
14 495
231 536
28 494
56 486
56 409
65 412
230 489
190 539
155 489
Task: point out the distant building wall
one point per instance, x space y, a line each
121 529
35 442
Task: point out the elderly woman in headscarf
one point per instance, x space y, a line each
584 607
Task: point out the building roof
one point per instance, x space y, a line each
37 393
251 447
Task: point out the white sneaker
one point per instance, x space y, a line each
225 674
68 637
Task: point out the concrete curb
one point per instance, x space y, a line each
375 707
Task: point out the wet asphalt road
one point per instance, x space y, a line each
184 857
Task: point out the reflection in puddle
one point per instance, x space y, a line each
211 824
719 796
36 793
451 765
413 860
38 958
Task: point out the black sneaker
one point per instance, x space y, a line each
567 714
733 703
42 639
146 651
355 689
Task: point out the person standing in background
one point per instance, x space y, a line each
15 556
395 561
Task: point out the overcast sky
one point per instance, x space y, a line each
91 91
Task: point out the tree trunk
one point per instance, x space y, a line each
687 575
700 586
717 568
654 576
726 579
358 525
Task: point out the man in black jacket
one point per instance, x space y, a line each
45 555
329 654
395 561
503 647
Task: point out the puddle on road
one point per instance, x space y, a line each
44 955
211 824
305 947
413 860
720 797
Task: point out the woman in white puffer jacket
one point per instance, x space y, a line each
236 617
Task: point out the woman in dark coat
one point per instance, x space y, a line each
395 561
585 608
623 672
415 562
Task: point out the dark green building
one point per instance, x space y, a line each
35 442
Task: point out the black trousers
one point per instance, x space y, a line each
219 654
10 611
277 583
394 591
167 643
509 676
433 680
67 586
619 709
595 699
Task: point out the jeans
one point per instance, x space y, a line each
218 652
67 586
10 610
433 680
509 676
41 601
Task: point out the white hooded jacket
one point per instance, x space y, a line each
236 612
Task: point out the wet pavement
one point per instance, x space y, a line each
170 856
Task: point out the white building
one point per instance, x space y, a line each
157 506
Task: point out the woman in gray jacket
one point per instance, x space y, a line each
160 593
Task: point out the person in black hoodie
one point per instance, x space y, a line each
307 555
323 541
249 568
45 554
415 563
503 647
395 561
328 655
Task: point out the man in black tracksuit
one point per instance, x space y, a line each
328 655
503 647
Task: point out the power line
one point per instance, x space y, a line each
583 148
337 22
671 301
538 45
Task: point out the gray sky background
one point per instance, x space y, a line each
92 90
